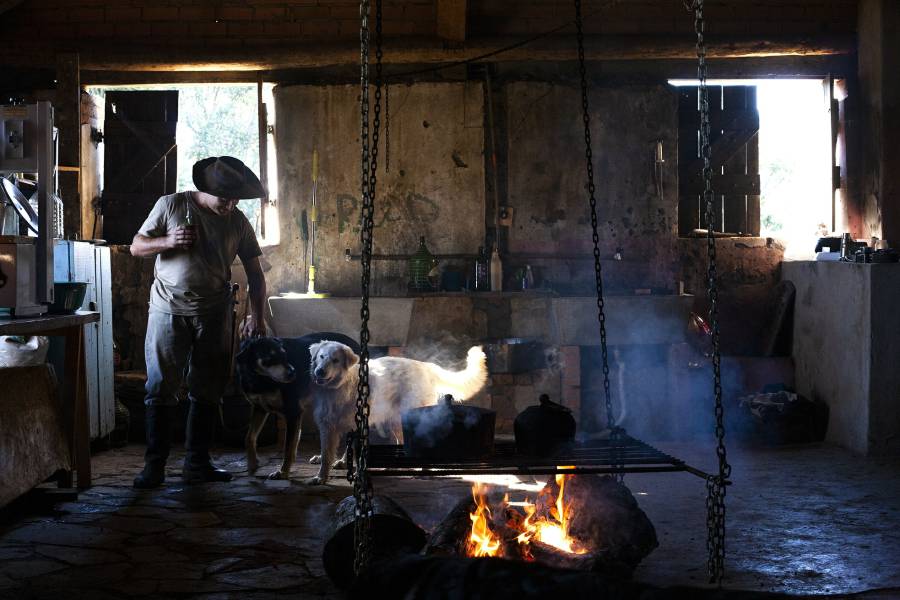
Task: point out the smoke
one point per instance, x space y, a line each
430 424
435 423
445 349
658 390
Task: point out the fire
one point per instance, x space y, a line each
482 541
555 530
551 528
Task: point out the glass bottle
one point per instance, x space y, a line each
420 265
496 272
481 271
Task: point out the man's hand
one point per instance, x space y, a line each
252 327
182 238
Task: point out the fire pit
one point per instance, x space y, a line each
585 522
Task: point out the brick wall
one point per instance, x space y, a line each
733 17
253 22
188 22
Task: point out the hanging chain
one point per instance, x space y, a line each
715 485
387 128
589 159
362 487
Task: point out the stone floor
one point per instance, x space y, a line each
805 520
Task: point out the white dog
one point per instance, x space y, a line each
395 385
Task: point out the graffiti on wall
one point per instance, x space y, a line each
412 208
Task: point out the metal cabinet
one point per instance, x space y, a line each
83 261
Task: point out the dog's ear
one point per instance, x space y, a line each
314 349
350 357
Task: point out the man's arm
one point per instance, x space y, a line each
143 245
256 323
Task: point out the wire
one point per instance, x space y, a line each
518 44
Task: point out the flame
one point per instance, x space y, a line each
482 541
551 529
554 531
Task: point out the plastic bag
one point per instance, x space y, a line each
23 351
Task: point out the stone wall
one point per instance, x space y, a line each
130 297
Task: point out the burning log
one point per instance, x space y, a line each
449 537
394 534
554 557
607 517
595 524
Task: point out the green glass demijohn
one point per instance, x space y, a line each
420 265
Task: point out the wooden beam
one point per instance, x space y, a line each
132 57
67 118
451 20
7 5
840 65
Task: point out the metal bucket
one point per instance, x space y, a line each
393 534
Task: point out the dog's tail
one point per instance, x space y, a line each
468 382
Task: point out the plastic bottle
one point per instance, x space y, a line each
496 272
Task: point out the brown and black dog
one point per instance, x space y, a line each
274 374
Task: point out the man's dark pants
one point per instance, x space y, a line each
176 346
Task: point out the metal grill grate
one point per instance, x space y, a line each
594 456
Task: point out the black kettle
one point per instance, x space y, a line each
545 429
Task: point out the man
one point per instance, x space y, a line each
195 237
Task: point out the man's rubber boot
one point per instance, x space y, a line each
158 425
200 425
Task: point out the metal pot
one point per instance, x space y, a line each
545 429
448 430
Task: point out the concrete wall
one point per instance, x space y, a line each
748 269
846 349
884 400
547 181
432 187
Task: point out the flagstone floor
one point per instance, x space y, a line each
810 520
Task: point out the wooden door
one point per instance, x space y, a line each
139 158
734 146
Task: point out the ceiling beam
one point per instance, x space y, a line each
451 20
6 5
132 57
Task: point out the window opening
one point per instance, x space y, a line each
223 119
793 152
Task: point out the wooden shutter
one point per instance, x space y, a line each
734 140
139 158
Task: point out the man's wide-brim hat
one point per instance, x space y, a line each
227 177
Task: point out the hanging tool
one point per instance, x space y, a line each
313 222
